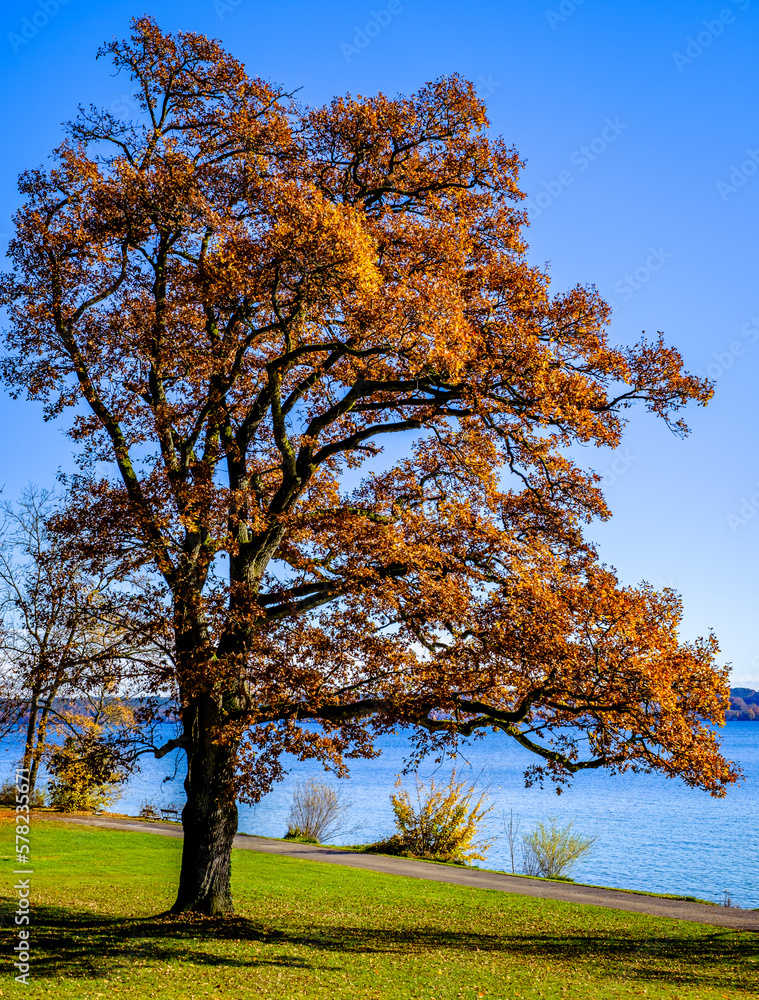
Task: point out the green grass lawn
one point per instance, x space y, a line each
310 930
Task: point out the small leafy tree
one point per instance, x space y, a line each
550 850
71 636
443 822
86 773
316 813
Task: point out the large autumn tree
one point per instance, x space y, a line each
242 301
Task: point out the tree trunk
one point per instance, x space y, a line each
209 818
30 731
40 744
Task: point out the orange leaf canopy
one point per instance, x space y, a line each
334 404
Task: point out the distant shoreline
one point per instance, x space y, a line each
744 705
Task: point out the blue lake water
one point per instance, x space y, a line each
652 833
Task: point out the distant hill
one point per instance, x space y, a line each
744 705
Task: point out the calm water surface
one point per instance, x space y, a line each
652 833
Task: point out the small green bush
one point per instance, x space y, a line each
296 834
8 796
551 849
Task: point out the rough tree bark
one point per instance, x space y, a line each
209 818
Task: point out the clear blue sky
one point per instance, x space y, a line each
637 120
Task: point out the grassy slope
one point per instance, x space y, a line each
310 930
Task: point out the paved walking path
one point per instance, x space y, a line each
476 878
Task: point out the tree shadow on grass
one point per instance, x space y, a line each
88 945
84 944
